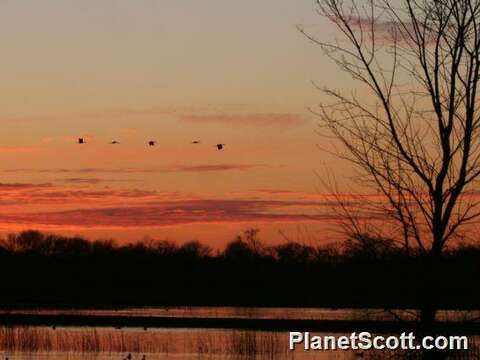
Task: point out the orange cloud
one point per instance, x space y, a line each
44 205
48 206
166 213
22 186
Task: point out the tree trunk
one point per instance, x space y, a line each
428 314
429 305
427 320
428 295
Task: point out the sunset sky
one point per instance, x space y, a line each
233 72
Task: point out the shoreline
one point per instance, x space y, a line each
146 322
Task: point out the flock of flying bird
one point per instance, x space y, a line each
151 143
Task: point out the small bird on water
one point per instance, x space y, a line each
152 143
196 142
220 146
81 140
114 142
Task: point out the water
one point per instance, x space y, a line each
257 313
103 343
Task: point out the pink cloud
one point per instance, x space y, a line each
23 186
165 169
92 180
37 205
23 196
385 29
167 213
261 119
45 206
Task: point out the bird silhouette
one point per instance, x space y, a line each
81 140
114 142
220 146
195 142
152 143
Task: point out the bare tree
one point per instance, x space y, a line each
412 126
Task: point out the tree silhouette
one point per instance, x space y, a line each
412 126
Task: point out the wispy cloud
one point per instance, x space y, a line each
90 180
23 186
167 213
26 196
46 205
82 180
257 119
164 169
385 29
218 167
287 194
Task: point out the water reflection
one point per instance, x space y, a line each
25 343
256 313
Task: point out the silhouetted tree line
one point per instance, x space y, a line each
50 270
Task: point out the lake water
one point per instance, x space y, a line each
257 313
103 343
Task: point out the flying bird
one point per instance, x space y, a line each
81 140
152 143
220 146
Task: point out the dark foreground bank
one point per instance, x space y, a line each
52 271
